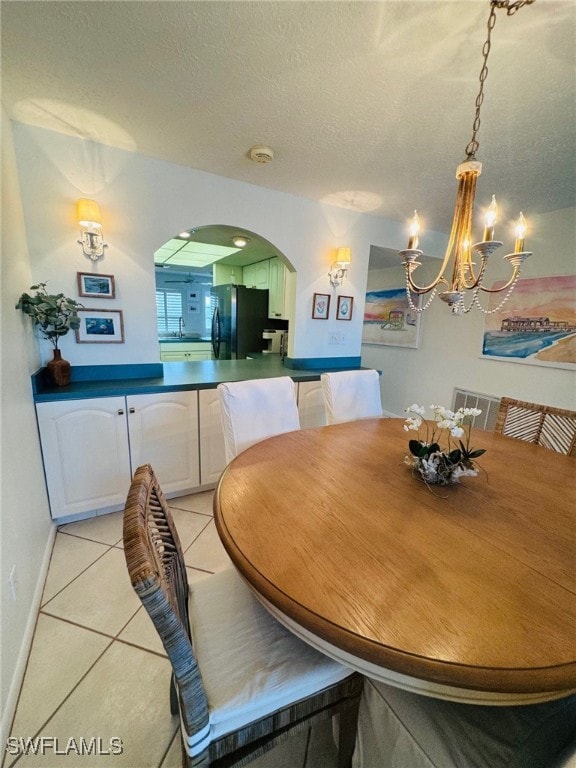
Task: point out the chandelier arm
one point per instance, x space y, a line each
476 281
421 290
515 274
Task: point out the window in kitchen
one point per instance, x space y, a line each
169 311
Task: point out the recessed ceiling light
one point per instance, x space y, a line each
240 241
184 234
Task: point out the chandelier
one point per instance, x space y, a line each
465 279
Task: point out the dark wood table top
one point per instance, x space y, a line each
468 589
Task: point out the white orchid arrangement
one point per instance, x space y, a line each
434 464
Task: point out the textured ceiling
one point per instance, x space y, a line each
368 104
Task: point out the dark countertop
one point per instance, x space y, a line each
152 378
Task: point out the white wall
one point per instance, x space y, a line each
145 202
450 347
26 528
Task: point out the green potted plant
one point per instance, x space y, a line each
55 315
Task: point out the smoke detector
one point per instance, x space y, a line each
261 154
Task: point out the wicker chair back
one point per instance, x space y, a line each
553 428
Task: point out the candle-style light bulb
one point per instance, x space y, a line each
490 220
414 231
521 228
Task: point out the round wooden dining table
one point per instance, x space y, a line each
465 592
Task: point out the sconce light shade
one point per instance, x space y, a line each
88 213
90 221
339 269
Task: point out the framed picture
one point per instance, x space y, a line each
96 286
389 320
100 326
537 326
321 306
344 308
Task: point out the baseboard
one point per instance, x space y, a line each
20 668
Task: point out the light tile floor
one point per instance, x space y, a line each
97 669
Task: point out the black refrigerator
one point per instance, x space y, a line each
239 319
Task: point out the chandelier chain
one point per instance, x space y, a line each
511 9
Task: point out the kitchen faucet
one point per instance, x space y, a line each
181 325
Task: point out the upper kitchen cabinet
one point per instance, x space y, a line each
227 274
278 287
257 275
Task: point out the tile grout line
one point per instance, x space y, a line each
67 696
100 556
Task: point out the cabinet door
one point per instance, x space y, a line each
257 275
212 451
311 404
163 432
276 301
173 357
226 274
85 452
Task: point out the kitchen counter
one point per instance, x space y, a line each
151 378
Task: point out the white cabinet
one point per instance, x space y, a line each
257 275
185 351
311 404
212 451
86 454
226 274
277 301
163 432
91 448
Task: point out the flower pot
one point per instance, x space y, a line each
59 370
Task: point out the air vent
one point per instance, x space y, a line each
487 403
261 154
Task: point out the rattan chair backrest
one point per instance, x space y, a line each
553 428
158 574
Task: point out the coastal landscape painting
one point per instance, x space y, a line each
388 319
538 324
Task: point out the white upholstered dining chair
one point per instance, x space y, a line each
256 409
351 395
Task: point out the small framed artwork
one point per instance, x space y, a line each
100 326
344 308
96 286
321 306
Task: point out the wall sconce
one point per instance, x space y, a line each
90 220
339 269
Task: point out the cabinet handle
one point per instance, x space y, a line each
131 410
120 412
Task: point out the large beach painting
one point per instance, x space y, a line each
537 325
389 320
